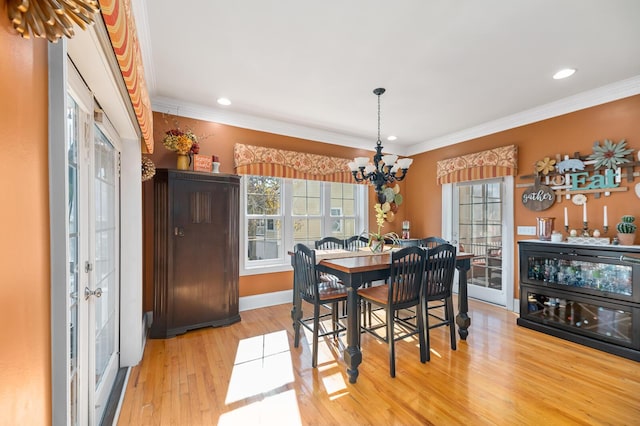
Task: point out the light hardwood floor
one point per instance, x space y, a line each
250 373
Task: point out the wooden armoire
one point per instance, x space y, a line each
196 264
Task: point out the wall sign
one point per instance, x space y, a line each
538 197
600 173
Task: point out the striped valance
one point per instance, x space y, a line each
120 24
492 163
262 161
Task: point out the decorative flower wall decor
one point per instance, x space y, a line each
610 154
51 19
546 166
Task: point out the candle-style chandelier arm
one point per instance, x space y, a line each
385 168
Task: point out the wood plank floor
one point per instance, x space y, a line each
250 373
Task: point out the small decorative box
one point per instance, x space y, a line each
589 240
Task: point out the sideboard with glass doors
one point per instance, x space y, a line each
583 293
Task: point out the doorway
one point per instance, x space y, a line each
478 217
93 205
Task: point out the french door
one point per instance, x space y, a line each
480 222
93 253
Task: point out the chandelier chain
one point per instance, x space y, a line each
379 142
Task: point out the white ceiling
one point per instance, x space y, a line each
453 69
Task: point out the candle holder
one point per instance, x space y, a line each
585 229
605 229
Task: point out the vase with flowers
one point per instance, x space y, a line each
377 239
183 143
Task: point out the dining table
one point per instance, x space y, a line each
354 269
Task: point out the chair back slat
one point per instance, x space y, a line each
356 242
329 243
306 273
405 281
440 269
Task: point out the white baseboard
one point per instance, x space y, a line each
516 306
267 299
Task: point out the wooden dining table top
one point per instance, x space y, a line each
372 262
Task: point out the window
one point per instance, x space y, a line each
280 213
264 218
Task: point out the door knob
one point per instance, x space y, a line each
88 293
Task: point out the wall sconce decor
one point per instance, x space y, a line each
51 19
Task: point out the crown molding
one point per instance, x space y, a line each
140 15
598 96
590 98
246 121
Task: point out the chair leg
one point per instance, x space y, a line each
316 325
452 322
391 340
426 330
334 319
420 318
296 331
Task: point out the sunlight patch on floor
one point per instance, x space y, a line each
281 409
263 363
334 383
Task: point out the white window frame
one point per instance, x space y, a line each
283 262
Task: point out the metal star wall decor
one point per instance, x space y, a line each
51 19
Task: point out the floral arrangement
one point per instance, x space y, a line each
181 142
148 169
376 240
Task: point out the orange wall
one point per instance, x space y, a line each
219 139
25 361
566 134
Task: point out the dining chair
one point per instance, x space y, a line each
329 243
320 294
402 290
440 268
356 242
431 242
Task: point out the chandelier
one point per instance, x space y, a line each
385 168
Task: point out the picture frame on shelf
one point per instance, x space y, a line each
201 163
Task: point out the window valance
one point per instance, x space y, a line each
262 161
492 163
120 24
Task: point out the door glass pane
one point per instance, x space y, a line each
74 254
106 273
480 229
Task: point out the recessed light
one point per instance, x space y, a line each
392 138
224 101
564 73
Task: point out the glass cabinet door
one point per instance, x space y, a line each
594 275
601 320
